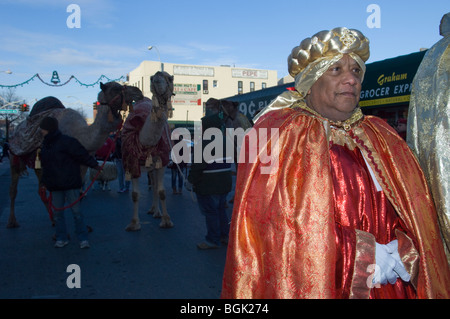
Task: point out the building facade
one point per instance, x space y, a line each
195 84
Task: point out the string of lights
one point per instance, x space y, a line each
56 82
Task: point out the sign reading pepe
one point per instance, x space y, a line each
389 81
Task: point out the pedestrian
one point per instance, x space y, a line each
105 154
61 157
178 169
211 181
342 210
5 152
428 132
124 185
401 128
233 118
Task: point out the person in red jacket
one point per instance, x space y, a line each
106 154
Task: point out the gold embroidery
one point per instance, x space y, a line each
347 38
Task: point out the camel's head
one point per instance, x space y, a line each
161 84
112 94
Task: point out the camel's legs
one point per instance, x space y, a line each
135 222
159 178
154 210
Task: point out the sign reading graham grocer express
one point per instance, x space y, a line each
389 81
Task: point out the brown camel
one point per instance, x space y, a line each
146 142
27 139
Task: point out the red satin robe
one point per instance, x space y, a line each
308 228
359 205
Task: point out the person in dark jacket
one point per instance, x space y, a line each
178 170
211 180
61 157
5 151
124 184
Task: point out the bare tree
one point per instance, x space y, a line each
10 101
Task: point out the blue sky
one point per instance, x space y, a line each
114 36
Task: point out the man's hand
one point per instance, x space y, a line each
390 264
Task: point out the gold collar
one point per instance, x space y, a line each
347 125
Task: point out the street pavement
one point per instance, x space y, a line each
152 263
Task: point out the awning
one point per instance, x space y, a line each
389 82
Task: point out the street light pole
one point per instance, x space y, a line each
159 57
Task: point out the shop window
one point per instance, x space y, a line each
252 86
240 87
205 87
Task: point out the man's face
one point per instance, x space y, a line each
401 127
336 93
44 132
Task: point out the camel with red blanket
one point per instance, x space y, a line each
146 142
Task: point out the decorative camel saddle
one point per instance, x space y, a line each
27 137
134 154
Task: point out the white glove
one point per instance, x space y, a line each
389 263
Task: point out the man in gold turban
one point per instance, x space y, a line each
345 212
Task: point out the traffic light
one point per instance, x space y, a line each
25 107
95 104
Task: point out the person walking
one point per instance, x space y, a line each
178 170
61 157
105 154
124 185
5 152
211 181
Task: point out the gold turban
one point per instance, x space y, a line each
309 61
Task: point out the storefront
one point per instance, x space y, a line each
385 91
387 87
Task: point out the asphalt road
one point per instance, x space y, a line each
152 263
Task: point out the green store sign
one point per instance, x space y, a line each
389 81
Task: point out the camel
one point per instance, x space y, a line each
146 142
27 139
